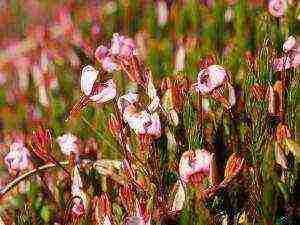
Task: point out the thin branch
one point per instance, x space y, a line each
10 185
100 165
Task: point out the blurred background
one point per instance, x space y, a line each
45 43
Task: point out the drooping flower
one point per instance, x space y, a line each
80 199
142 122
289 44
195 162
179 197
292 57
98 92
210 78
94 91
277 8
17 158
68 143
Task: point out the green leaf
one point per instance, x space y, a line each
45 213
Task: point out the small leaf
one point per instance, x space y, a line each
45 213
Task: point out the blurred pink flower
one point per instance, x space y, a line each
162 13
68 143
98 92
192 162
95 30
2 78
17 158
277 8
283 63
109 65
122 46
210 78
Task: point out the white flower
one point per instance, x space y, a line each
289 44
179 197
81 202
67 143
98 92
210 78
162 13
88 77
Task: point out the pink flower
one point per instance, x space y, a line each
192 162
98 92
277 8
68 143
17 158
210 78
289 44
283 63
142 122
2 78
102 54
122 46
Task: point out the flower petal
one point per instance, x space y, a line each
193 162
88 77
179 197
107 93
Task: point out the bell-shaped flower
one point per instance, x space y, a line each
88 77
277 8
80 200
98 92
289 44
68 143
210 78
142 122
179 197
17 158
195 162
94 91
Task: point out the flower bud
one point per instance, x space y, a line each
282 132
114 126
256 91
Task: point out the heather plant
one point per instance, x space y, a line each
149 112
